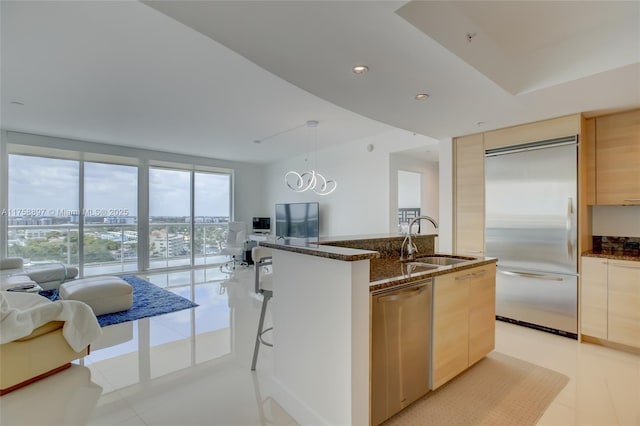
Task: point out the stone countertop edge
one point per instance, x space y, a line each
368 238
609 255
326 251
400 280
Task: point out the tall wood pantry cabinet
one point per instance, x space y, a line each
469 195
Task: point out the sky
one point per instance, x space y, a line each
52 185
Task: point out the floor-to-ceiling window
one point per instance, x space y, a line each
211 215
169 218
86 209
110 218
173 241
43 209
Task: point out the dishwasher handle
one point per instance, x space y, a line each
402 295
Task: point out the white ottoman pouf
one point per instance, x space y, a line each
104 294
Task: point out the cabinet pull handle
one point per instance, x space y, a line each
464 277
625 266
471 275
401 296
473 251
632 199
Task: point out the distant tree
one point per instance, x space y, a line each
96 250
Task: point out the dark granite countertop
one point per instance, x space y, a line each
382 250
351 247
614 254
389 272
344 254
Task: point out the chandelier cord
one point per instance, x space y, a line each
282 132
310 179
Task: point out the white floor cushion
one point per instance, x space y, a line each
105 295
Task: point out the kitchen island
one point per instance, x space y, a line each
321 319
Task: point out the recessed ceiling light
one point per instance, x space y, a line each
421 96
360 69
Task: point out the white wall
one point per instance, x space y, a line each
428 171
248 193
409 189
361 203
616 221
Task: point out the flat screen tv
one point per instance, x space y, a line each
261 224
297 220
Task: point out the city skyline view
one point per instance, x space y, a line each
52 185
85 213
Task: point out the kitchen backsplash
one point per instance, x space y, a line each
388 247
620 221
628 246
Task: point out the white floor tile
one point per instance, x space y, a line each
193 368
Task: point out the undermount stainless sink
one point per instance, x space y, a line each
440 260
418 265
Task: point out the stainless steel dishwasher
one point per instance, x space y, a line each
400 347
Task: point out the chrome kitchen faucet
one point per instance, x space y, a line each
411 247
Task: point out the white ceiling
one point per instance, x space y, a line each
125 73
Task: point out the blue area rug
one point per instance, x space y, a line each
148 300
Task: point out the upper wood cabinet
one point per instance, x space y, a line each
469 195
618 158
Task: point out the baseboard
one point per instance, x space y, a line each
608 344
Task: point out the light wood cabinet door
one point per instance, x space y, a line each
618 158
482 312
624 302
593 293
450 327
469 195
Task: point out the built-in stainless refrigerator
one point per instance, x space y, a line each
531 227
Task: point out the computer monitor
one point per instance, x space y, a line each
262 225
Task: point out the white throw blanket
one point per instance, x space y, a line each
21 313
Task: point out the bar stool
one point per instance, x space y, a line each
261 257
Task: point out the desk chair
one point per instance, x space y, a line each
234 245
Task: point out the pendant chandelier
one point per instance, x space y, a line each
310 180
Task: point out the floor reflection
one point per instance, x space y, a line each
71 402
186 367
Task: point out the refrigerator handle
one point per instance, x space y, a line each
570 228
530 275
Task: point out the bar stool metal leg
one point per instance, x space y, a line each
267 294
